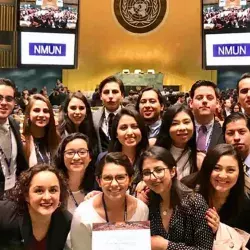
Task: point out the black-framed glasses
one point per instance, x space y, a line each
71 153
7 98
120 178
158 173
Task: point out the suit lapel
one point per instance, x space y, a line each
215 135
25 228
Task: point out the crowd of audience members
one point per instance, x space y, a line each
224 19
47 18
179 160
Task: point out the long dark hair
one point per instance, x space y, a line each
178 190
164 139
234 201
19 193
115 145
88 178
51 137
87 125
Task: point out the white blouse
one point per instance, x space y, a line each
84 217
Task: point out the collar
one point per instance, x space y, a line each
5 126
106 112
155 125
247 161
208 126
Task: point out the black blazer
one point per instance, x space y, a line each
217 135
16 230
21 163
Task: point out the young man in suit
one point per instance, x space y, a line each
112 92
243 90
12 157
204 100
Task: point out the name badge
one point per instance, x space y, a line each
10 182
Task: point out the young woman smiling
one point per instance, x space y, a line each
176 213
177 135
73 157
221 182
34 217
114 174
77 117
40 138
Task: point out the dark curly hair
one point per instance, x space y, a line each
21 190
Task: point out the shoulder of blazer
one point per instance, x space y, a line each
97 115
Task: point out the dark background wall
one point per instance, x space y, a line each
30 78
228 79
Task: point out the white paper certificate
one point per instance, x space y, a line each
121 236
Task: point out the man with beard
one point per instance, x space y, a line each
243 90
150 105
111 91
204 100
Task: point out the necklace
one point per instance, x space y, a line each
165 212
105 209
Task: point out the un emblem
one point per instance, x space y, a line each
140 16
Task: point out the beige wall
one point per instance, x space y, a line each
106 48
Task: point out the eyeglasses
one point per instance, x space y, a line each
158 173
71 153
7 98
120 179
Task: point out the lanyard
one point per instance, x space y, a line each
8 162
41 155
73 197
105 209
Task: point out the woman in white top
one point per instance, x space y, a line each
73 157
114 204
177 134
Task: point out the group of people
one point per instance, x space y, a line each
31 16
177 167
224 19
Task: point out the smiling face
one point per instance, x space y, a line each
76 162
39 114
128 132
44 194
150 107
204 103
161 185
182 129
76 111
8 102
225 174
114 181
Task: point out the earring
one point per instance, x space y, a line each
59 204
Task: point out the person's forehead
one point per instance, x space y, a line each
237 124
204 90
111 86
150 94
244 83
6 90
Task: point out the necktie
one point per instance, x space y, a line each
111 118
5 141
201 140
